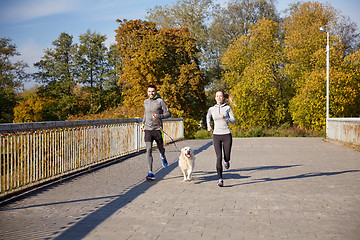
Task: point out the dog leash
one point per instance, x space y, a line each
162 130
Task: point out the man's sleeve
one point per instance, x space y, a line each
166 111
144 118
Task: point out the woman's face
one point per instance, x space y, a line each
219 97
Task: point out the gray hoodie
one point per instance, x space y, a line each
157 106
221 125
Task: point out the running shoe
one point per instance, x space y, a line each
227 165
150 176
220 183
164 161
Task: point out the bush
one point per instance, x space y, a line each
190 128
203 134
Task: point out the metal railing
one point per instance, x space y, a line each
33 153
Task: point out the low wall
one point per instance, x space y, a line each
346 130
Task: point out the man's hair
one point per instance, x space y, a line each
152 86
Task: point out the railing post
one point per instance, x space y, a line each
32 153
138 134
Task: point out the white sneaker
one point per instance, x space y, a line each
227 165
220 183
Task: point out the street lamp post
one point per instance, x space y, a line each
327 76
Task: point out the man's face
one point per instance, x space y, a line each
151 92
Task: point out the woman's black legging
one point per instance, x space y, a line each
222 142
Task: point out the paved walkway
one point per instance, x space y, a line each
276 188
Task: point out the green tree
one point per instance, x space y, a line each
112 96
252 74
12 75
91 67
56 74
91 59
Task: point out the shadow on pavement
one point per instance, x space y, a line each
234 173
80 229
58 203
306 175
203 148
300 176
202 176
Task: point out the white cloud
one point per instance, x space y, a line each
32 9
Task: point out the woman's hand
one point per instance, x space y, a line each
209 129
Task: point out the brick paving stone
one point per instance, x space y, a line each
276 188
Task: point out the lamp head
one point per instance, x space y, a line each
322 29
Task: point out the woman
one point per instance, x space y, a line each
222 115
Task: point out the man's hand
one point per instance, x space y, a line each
209 129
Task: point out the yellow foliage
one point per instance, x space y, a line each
251 73
32 109
166 58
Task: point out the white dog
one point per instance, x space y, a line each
187 162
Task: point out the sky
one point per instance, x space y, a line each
34 24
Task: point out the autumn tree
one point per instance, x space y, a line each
166 58
349 34
193 14
229 23
236 19
34 108
252 73
196 15
349 103
306 64
12 75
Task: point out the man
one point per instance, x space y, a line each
155 110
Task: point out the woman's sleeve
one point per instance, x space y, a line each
208 119
231 118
